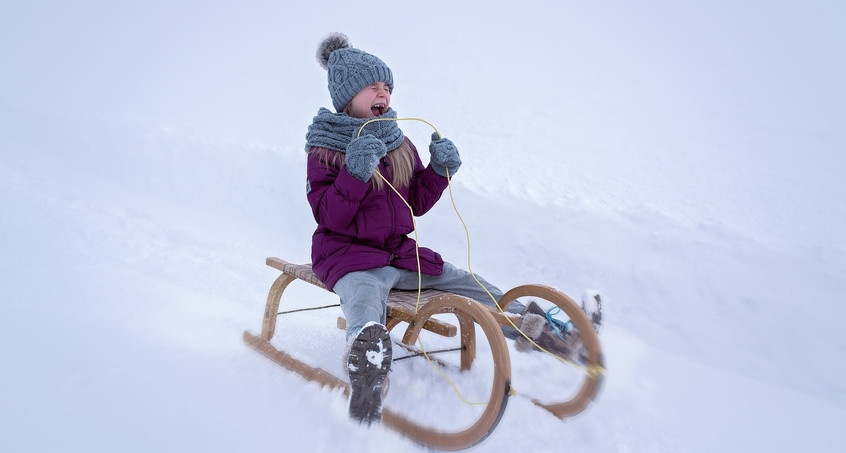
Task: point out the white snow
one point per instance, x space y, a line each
376 357
686 161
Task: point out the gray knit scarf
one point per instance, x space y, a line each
335 130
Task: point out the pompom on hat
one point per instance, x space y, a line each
350 69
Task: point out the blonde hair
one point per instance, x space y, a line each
401 159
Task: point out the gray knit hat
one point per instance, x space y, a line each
350 69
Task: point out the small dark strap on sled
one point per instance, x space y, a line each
308 309
419 354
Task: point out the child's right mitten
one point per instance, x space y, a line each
363 154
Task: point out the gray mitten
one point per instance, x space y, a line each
444 156
363 154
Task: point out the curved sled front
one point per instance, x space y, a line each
469 313
594 369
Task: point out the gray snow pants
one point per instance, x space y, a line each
364 294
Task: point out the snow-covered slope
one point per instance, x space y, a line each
683 160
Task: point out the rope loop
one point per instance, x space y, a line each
396 119
592 371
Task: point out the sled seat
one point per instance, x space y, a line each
402 305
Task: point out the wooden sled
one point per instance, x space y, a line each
469 313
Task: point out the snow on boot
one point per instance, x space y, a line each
368 363
592 306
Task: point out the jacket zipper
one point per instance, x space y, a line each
388 193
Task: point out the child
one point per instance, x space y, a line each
360 248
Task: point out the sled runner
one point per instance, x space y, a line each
403 307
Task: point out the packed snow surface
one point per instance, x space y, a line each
684 160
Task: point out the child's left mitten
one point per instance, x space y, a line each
444 156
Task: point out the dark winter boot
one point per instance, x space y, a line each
368 363
555 337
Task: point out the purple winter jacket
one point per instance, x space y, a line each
360 228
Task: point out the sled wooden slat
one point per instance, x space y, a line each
300 271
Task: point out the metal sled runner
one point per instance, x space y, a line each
471 315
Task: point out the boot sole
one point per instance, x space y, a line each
368 363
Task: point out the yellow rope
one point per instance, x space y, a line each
591 370
396 119
413 222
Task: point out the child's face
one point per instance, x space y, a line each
372 101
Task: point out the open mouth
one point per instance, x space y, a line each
378 109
